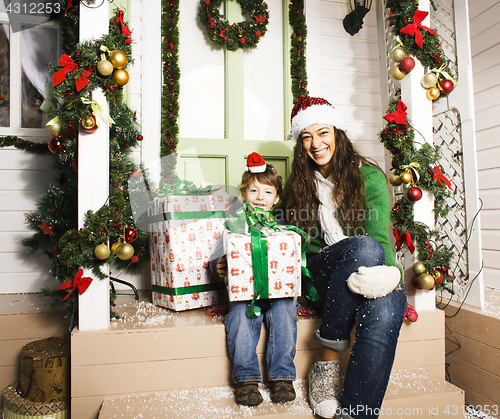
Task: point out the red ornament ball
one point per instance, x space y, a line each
414 194
438 277
242 41
131 234
446 86
414 282
407 64
140 138
55 145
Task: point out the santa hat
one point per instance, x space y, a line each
313 110
255 163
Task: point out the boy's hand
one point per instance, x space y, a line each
222 266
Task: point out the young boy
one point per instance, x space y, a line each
261 187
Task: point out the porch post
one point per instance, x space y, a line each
93 177
420 115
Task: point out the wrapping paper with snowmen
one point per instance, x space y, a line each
284 265
184 231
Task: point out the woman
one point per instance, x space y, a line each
341 199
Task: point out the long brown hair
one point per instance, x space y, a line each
348 191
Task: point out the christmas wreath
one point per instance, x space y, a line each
245 34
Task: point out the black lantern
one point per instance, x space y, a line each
353 22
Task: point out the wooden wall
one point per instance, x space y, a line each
485 45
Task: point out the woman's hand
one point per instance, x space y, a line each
375 281
222 266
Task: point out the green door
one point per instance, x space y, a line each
233 103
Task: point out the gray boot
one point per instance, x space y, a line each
324 377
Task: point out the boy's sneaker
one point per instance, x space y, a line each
324 378
282 391
247 393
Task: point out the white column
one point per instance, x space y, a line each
93 177
420 115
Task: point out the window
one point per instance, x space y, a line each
25 82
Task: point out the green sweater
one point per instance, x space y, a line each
376 221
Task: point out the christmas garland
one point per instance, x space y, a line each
416 40
417 168
244 34
84 67
298 71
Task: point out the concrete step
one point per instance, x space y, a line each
412 393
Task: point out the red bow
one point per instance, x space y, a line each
46 228
78 282
402 238
125 30
438 176
413 28
70 4
68 65
399 115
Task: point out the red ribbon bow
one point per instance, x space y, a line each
414 28
438 176
70 4
68 65
125 30
399 115
403 238
78 282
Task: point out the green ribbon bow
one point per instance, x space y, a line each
97 109
258 221
181 187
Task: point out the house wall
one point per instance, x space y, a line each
485 46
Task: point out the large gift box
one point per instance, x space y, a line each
184 232
283 270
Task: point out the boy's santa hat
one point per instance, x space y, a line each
313 110
255 163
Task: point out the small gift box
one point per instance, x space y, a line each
283 266
184 231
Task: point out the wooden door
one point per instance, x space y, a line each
233 103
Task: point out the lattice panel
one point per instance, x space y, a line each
443 20
392 84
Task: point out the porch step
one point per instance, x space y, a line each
412 393
154 350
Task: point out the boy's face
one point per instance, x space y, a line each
259 195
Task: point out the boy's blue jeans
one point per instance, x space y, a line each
243 334
377 322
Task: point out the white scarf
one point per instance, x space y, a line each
327 209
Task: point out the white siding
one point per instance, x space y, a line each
344 69
485 44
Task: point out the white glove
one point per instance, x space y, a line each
374 282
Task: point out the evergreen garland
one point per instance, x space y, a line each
400 139
245 34
55 222
298 71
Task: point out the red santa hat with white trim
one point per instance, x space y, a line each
313 110
255 163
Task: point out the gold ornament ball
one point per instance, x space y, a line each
406 177
395 180
53 130
102 251
419 268
115 245
397 74
433 93
429 80
118 59
121 77
89 122
425 281
104 68
397 54
125 251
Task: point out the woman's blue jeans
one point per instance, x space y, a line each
377 322
243 334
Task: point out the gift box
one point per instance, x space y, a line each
284 265
184 232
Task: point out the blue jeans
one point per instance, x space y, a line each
243 334
377 322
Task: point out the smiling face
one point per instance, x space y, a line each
260 195
318 141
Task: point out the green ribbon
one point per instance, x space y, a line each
96 109
193 289
181 187
258 221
